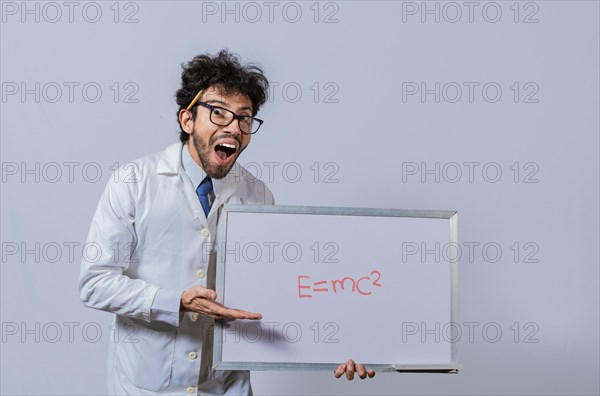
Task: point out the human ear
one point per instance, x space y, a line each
186 121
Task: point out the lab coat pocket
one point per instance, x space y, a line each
145 357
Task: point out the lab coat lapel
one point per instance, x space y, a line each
170 164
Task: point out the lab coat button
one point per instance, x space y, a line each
192 355
199 274
204 232
190 390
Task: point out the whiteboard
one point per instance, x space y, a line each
375 285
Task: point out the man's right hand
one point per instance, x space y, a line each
202 300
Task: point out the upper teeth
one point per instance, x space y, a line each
228 145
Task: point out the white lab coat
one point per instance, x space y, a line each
148 242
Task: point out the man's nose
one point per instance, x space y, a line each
233 128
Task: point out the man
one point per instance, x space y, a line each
163 213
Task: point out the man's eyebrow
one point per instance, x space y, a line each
225 104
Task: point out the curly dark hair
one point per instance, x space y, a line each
225 71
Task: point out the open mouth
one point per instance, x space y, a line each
225 152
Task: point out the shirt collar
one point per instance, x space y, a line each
193 170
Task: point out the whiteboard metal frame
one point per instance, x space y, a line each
222 222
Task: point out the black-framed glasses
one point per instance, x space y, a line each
223 117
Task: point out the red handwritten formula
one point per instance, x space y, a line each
363 286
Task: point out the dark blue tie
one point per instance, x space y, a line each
203 190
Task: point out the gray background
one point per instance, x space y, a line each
533 270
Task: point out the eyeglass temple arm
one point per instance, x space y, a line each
193 102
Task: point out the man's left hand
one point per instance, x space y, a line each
351 368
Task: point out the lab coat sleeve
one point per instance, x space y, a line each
165 307
111 241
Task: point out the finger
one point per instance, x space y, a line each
360 370
248 315
350 370
371 373
206 307
217 310
340 370
238 313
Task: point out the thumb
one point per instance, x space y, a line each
203 292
